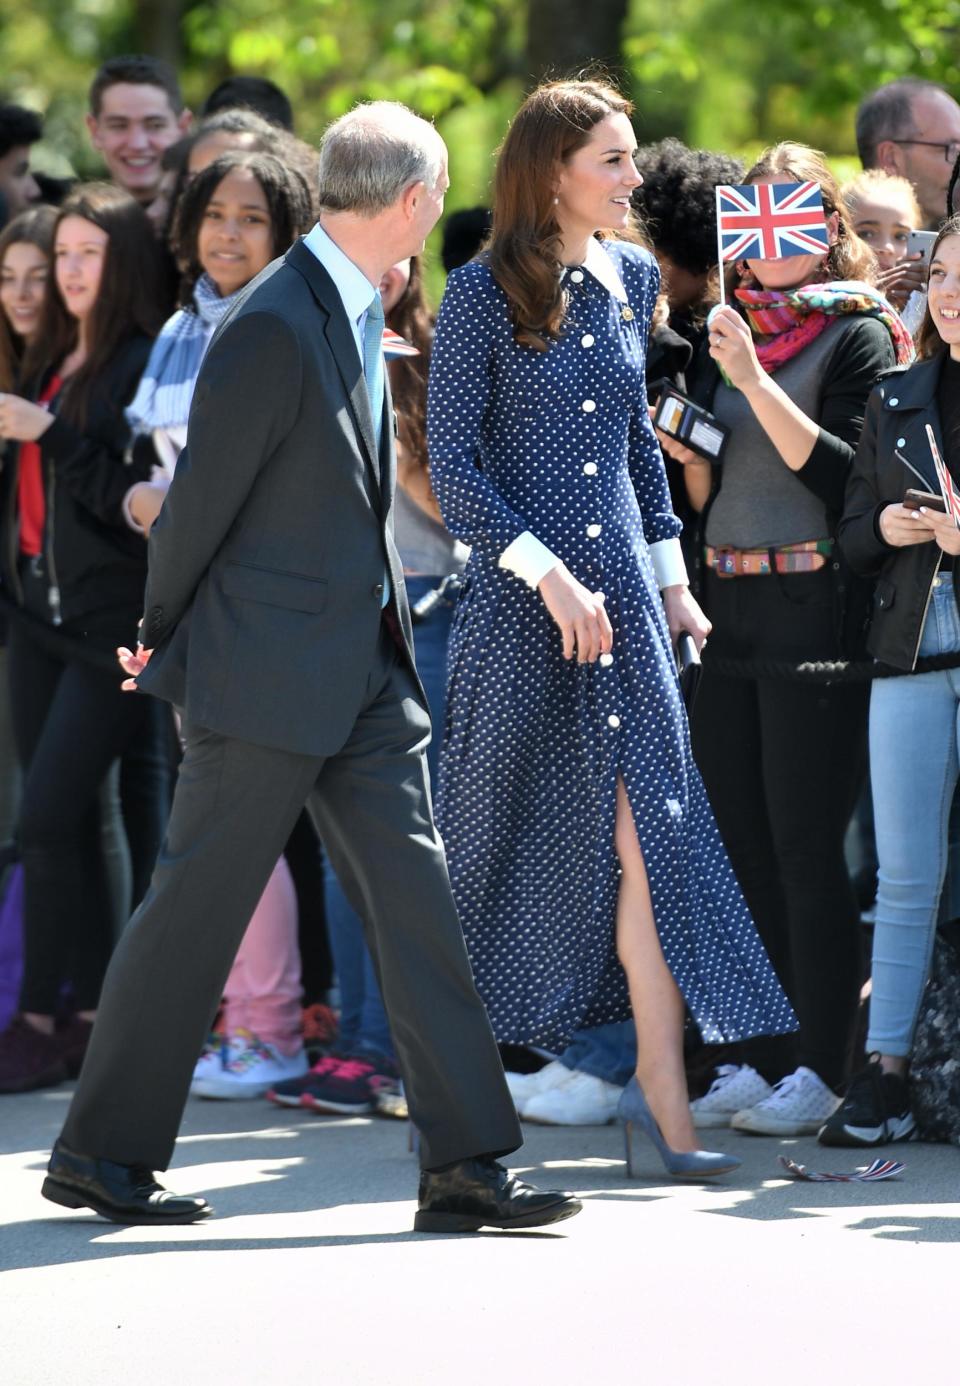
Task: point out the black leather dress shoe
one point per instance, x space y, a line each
481 1193
120 1193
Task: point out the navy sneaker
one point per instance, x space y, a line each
351 1087
290 1092
875 1111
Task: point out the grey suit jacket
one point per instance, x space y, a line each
263 597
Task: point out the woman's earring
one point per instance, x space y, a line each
556 202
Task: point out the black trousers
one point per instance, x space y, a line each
71 721
234 807
783 763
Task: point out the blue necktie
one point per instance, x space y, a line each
373 371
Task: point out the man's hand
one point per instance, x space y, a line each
901 526
683 613
132 664
579 613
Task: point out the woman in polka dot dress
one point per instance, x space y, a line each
585 861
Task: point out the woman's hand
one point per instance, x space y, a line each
899 281
901 526
683 613
132 664
684 455
944 527
22 420
145 500
579 613
731 346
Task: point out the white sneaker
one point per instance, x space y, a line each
247 1067
798 1106
735 1087
523 1086
582 1101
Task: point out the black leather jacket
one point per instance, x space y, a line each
95 565
893 455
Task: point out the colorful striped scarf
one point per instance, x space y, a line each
783 323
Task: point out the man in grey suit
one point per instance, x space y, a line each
276 619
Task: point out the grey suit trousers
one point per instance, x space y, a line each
234 807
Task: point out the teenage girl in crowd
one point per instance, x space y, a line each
75 575
914 555
26 246
365 1069
884 210
792 360
236 215
585 862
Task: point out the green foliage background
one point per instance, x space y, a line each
727 74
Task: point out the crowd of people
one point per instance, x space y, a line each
683 952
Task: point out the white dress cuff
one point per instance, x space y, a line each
667 558
528 558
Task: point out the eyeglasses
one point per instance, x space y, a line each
951 148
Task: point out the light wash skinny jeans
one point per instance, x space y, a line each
914 734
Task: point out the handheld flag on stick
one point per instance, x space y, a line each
947 489
769 221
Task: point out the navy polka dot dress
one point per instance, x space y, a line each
559 443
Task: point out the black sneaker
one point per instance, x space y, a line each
875 1111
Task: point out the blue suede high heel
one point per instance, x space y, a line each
681 1164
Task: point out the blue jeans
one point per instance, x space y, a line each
914 727
605 1051
363 1020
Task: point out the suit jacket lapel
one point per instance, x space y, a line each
343 347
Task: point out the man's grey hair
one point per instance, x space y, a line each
371 154
887 114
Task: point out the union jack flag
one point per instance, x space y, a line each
770 221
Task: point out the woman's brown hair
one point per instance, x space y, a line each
849 257
551 125
411 317
929 341
129 301
34 227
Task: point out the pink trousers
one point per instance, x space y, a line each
263 992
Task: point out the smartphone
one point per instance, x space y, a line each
913 500
919 242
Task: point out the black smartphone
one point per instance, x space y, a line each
913 499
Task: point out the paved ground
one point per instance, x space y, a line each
310 1271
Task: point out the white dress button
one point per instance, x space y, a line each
901 442
588 406
577 276
606 660
589 468
586 340
894 402
593 531
613 721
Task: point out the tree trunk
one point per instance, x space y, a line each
565 36
157 26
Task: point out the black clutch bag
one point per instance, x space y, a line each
688 667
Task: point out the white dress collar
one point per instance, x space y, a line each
599 264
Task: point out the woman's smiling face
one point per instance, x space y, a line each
943 292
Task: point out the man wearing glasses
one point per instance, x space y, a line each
912 128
